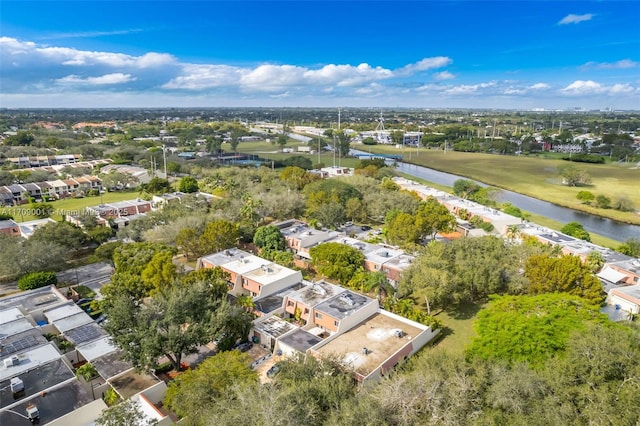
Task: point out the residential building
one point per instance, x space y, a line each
36 375
376 345
9 227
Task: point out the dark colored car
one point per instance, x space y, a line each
365 228
273 370
244 347
83 301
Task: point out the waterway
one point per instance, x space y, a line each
598 225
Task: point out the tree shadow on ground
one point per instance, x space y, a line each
464 310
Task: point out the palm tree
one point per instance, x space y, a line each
377 283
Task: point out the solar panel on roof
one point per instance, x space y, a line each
84 333
19 345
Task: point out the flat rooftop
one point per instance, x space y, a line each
631 292
35 299
245 264
132 383
631 265
226 256
96 348
110 365
300 340
15 327
54 404
382 254
352 242
400 262
63 311
270 273
73 321
343 305
84 334
315 293
21 341
10 314
274 326
29 360
377 334
36 380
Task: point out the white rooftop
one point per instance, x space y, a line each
9 315
15 327
62 312
96 349
73 321
30 360
246 264
270 273
382 255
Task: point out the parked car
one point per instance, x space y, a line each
274 370
244 347
365 228
83 301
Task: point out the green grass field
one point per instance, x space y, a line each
20 213
536 177
458 327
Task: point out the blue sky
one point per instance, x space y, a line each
475 54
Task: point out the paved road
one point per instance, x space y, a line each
93 276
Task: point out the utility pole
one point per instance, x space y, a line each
164 155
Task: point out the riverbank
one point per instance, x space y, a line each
534 177
535 218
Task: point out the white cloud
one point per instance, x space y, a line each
202 77
466 89
539 86
444 75
89 34
16 49
576 19
115 78
590 87
424 65
621 64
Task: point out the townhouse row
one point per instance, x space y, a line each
18 194
295 316
37 379
300 237
620 274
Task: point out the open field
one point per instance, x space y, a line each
535 177
61 207
458 331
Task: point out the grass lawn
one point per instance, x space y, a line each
458 331
61 207
535 177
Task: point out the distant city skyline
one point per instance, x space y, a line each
427 54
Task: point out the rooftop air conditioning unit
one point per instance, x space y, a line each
10 362
398 333
17 385
32 413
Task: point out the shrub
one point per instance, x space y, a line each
36 280
623 203
87 372
603 202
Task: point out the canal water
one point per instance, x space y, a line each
606 227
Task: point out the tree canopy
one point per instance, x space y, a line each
173 323
530 328
565 274
337 261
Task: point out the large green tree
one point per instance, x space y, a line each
530 328
269 237
193 393
337 261
172 323
565 274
